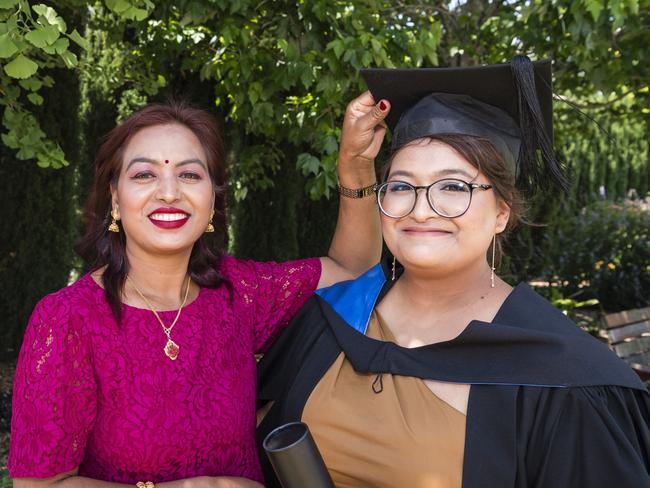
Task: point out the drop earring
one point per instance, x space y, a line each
393 273
494 245
113 227
210 227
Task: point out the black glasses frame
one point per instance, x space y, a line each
416 188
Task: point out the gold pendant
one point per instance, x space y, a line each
171 349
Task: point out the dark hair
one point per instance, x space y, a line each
99 247
481 154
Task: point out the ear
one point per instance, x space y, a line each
503 216
114 203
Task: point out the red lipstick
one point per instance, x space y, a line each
169 217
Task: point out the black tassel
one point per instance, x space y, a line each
533 174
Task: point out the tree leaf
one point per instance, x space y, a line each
7 46
61 45
337 47
595 7
26 152
331 145
31 84
308 164
8 3
43 36
118 6
37 38
21 67
35 98
78 39
69 58
49 15
306 76
137 13
60 24
10 140
49 50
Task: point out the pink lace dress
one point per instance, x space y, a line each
105 398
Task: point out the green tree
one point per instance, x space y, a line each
279 75
40 215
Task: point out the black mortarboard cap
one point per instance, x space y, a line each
509 104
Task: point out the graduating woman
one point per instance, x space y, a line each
143 371
429 371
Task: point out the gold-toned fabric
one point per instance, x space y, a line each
402 436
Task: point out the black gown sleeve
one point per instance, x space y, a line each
278 367
287 373
592 437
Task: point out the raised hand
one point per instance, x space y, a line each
363 129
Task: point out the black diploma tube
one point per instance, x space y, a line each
295 457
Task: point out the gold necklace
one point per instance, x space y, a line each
171 348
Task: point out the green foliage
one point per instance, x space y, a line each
614 161
33 40
130 10
40 203
5 481
583 312
21 67
35 254
280 74
601 252
596 45
286 71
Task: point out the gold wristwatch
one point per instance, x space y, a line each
364 192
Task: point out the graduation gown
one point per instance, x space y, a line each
549 406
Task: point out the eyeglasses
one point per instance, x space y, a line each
448 198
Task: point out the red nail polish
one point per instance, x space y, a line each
382 105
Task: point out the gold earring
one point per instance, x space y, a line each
393 275
494 245
115 216
210 227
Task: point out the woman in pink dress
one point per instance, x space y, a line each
143 371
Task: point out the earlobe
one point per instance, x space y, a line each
114 203
503 216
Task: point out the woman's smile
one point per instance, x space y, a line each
425 231
169 218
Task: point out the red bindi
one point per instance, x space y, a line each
166 161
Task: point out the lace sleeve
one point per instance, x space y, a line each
54 397
273 292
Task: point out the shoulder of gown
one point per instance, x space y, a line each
592 436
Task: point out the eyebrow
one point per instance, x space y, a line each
442 172
154 161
